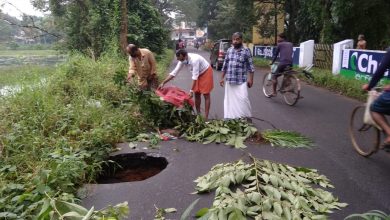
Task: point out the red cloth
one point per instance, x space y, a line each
175 96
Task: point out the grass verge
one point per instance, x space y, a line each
260 62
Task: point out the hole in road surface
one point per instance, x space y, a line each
131 167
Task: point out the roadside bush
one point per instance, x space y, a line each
55 136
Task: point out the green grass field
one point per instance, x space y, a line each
24 74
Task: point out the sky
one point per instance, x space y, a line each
23 5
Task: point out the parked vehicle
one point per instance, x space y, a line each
217 55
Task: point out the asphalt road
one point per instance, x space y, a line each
323 116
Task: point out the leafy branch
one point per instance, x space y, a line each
267 190
286 139
57 209
230 132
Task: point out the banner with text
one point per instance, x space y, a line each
361 64
267 52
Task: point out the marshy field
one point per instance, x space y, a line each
19 67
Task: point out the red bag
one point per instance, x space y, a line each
175 96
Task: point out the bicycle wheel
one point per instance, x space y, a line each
365 138
267 85
291 89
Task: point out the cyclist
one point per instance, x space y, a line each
285 49
381 106
197 45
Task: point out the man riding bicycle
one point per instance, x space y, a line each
285 49
381 106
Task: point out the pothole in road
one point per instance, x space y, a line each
131 167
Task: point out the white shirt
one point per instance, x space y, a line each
196 63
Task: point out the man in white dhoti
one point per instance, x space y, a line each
238 70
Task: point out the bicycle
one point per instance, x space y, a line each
289 86
365 137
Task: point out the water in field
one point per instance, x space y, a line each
9 90
20 60
26 67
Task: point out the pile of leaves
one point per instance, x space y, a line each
234 133
230 132
267 190
288 139
159 113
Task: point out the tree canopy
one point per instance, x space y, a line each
92 26
325 21
329 21
96 26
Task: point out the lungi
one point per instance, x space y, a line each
236 102
205 82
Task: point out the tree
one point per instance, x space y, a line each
165 8
124 26
208 11
292 7
189 8
268 13
7 31
303 19
145 27
232 16
308 20
95 26
354 17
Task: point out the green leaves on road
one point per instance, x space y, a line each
230 132
267 190
371 215
235 132
288 139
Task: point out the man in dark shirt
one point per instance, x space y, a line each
381 106
285 49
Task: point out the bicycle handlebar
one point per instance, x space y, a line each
306 70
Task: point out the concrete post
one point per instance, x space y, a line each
306 53
338 53
250 46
